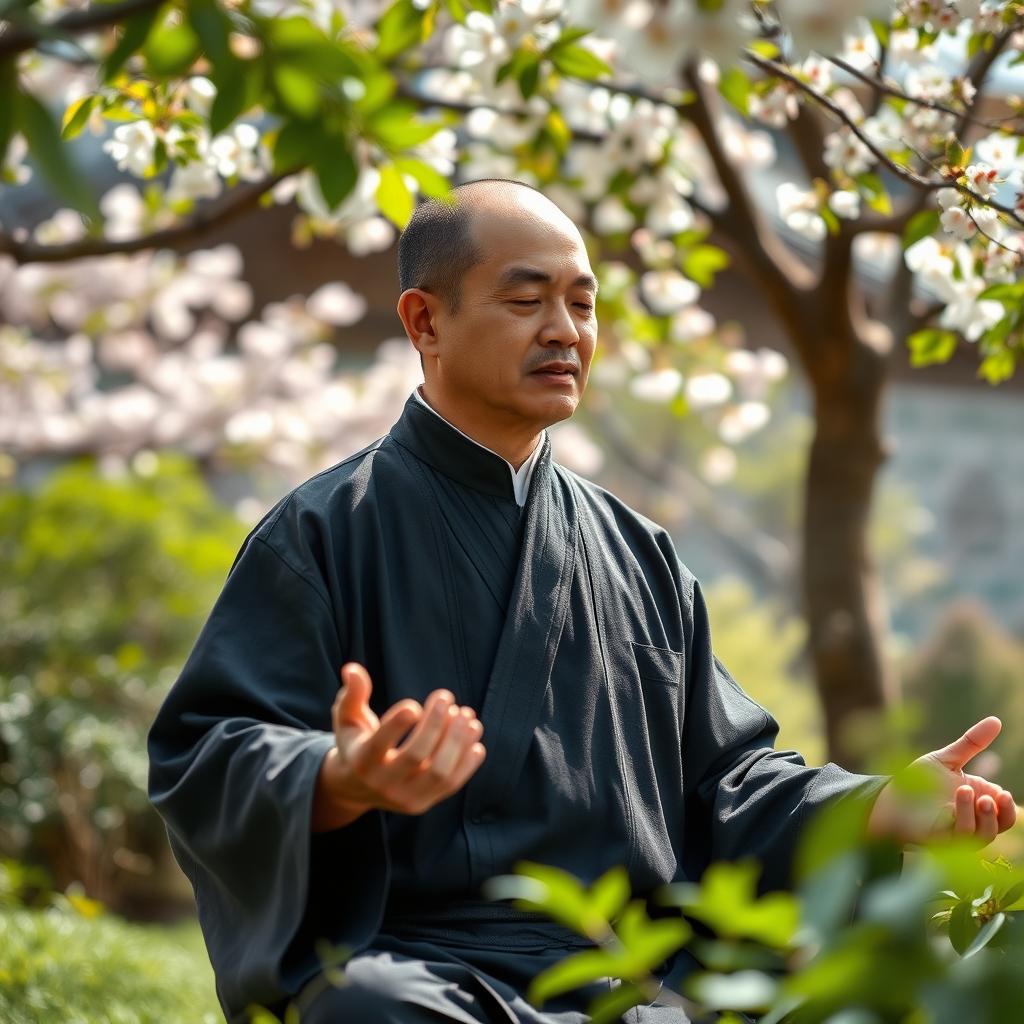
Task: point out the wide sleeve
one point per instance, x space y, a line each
234 755
750 799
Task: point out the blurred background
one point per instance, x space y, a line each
154 404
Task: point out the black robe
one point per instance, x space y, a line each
613 733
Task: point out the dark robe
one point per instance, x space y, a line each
613 733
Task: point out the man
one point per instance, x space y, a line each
540 643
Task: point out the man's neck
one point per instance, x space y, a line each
514 443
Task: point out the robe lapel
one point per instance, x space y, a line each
529 642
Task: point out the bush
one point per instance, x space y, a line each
760 643
970 668
63 966
106 584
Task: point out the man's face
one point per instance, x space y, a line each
518 348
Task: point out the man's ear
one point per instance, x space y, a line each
417 310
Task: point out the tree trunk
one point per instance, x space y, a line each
842 591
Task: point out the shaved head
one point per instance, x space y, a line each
441 242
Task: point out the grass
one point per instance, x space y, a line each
58 967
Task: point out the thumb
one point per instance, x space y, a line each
353 705
973 742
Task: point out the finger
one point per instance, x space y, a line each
435 779
1006 810
982 786
354 697
465 769
987 823
964 821
394 724
973 742
462 734
438 711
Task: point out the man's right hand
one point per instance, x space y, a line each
366 768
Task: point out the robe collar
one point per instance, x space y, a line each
433 439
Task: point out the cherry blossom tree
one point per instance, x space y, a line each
651 123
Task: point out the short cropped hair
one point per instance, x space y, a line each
437 248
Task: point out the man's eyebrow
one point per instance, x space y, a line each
528 275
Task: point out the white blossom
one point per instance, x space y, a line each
657 385
199 94
612 216
132 147
14 168
336 303
195 180
799 211
844 151
704 390
956 221
844 203
667 291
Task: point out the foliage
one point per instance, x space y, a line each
106 582
59 965
970 667
761 643
942 941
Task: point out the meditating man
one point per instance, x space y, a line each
526 672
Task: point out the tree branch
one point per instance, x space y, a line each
764 556
781 275
16 40
904 173
898 312
886 89
213 215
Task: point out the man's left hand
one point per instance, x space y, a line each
962 805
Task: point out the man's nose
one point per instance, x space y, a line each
562 328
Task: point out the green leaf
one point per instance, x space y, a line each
735 86
298 90
77 116
962 927
610 1007
610 893
393 196
997 367
955 153
378 87
1012 895
702 262
399 29
578 62
232 97
765 48
457 10
881 30
572 972
931 345
136 30
171 50
921 225
873 189
558 130
726 900
987 933
296 145
397 127
529 77
432 182
336 171
50 155
211 27
1006 291
569 35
